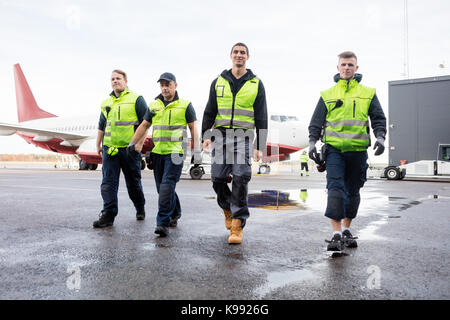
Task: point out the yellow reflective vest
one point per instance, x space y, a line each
121 117
347 124
169 126
236 111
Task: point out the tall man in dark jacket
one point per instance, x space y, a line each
236 106
343 113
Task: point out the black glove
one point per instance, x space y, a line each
313 154
130 149
379 146
197 158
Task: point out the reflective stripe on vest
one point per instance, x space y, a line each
169 126
120 119
347 126
236 111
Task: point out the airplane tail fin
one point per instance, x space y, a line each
27 108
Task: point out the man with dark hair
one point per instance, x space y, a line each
169 116
236 106
342 114
120 115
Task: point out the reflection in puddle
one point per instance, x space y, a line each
277 280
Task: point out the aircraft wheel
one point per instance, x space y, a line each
264 169
143 164
84 165
92 166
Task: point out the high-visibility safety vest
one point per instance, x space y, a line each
121 117
236 111
347 125
169 126
304 158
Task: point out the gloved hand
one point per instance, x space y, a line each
130 149
197 157
313 154
379 146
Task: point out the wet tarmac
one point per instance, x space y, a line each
49 250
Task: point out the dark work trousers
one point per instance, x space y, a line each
346 174
131 166
232 156
167 173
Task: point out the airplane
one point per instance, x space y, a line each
77 135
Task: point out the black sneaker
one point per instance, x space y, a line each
349 240
140 215
106 220
174 221
162 231
335 244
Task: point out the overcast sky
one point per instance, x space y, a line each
67 49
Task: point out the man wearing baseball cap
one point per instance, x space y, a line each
169 116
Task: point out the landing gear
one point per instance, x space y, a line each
84 165
87 166
264 169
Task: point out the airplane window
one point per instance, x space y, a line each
275 118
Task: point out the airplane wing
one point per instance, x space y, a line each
41 135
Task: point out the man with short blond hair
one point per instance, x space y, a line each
342 114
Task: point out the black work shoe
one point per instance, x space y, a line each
140 215
335 244
106 220
349 240
162 231
174 221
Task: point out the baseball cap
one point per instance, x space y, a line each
167 76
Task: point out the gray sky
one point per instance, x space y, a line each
67 49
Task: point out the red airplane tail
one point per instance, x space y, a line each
27 108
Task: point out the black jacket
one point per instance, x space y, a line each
376 115
259 106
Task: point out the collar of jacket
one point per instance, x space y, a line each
226 74
124 92
160 97
357 77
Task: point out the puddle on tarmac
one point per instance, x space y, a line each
316 200
311 200
277 280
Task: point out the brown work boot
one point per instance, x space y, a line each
235 232
227 218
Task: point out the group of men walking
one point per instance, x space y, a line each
235 111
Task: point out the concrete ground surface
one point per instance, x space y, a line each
49 249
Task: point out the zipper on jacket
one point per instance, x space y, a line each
354 108
232 112
119 112
170 115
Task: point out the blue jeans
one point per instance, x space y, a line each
131 166
167 174
346 174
